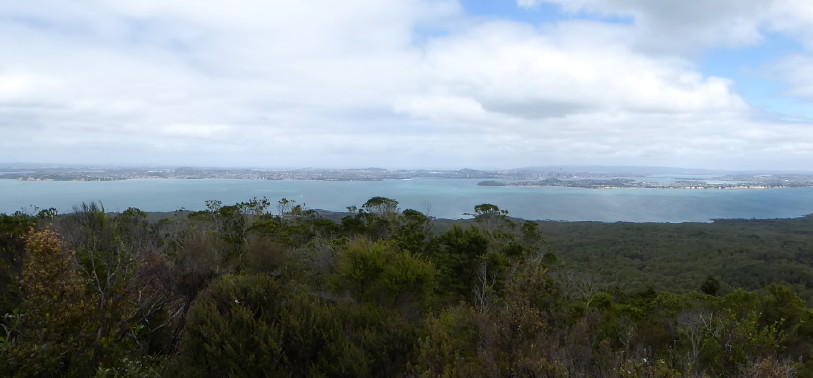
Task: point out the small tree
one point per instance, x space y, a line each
494 221
380 206
710 286
380 216
381 273
55 330
458 254
258 326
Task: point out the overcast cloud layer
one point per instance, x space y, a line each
406 83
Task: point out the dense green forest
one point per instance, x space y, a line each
273 289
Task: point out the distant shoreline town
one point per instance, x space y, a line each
576 177
757 183
358 174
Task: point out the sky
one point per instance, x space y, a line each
489 84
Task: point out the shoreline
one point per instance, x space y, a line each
755 186
655 187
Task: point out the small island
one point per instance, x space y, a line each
491 183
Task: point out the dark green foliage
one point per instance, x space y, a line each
380 206
710 286
458 254
749 254
268 256
353 225
382 273
494 221
294 227
231 224
121 302
128 277
291 232
413 231
380 217
784 308
13 229
237 291
509 340
197 263
54 332
256 325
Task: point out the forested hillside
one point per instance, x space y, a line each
273 289
745 254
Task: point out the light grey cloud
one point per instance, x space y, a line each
680 26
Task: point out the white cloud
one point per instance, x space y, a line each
372 82
794 18
196 130
519 71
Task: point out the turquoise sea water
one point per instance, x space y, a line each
442 198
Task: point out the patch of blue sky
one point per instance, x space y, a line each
48 25
749 69
422 33
789 110
508 9
29 21
487 10
720 61
37 24
54 29
542 13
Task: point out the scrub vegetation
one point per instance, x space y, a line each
274 289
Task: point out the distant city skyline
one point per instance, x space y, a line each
438 84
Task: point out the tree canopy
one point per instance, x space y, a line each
243 290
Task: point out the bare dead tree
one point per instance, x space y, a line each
484 291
